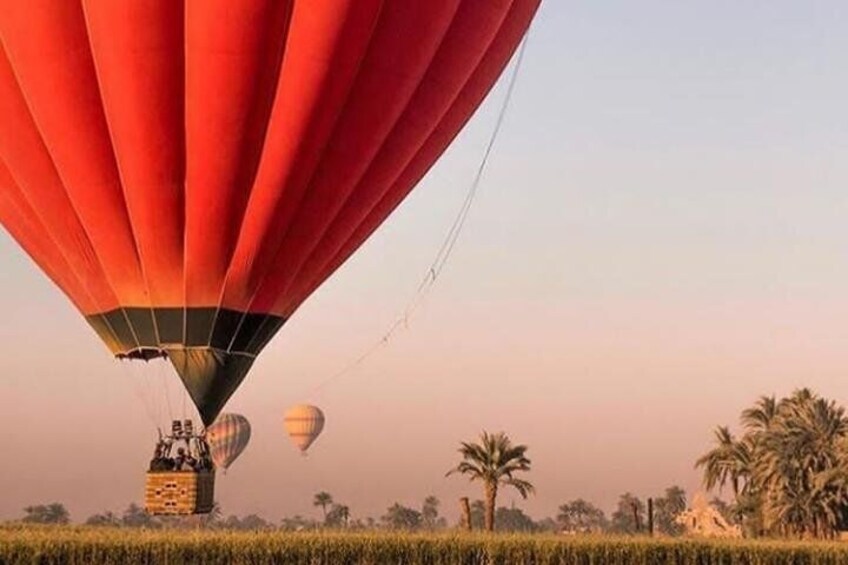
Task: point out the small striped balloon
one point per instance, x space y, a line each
304 423
227 438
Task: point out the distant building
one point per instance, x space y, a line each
702 520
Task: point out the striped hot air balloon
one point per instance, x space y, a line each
228 437
304 424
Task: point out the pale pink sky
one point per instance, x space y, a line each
659 240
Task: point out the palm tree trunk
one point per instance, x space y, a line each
491 496
466 513
650 516
636 522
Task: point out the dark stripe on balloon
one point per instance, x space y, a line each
137 338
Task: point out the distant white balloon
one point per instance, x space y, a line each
304 424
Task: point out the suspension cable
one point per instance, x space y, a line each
448 245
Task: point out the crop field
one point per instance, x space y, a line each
78 545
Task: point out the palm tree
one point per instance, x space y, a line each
761 416
729 461
789 470
323 499
494 462
802 467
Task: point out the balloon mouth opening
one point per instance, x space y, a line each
143 354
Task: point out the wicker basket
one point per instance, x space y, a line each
179 493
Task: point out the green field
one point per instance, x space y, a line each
77 545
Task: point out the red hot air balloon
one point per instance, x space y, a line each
189 172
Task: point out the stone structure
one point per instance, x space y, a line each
703 520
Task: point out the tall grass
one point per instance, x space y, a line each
43 546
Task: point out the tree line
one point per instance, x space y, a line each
576 516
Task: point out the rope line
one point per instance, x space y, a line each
139 389
166 388
448 245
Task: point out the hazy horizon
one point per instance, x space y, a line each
659 239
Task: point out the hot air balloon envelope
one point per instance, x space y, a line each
227 438
188 172
304 423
